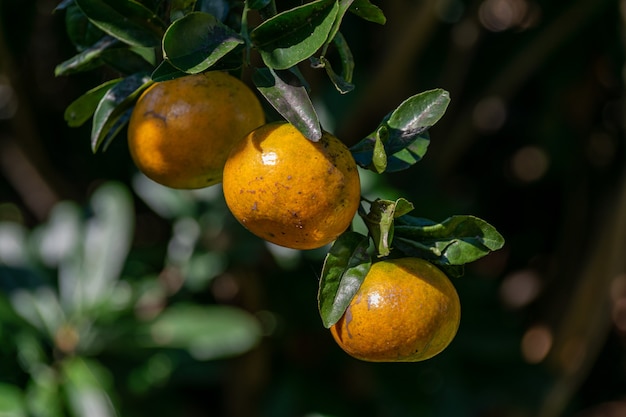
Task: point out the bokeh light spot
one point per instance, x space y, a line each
490 114
520 288
529 164
536 343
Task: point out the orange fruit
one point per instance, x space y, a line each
406 310
181 131
289 190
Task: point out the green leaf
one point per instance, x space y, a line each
345 267
207 332
343 6
129 60
82 109
457 240
197 41
181 8
343 82
112 52
88 59
127 20
81 32
89 280
86 384
410 155
380 222
379 156
366 10
165 72
414 116
286 92
43 393
113 110
296 34
404 133
11 401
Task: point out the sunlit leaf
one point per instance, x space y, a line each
403 132
126 20
88 281
296 34
114 107
380 222
414 116
345 267
207 332
43 393
197 41
457 240
86 384
88 59
286 92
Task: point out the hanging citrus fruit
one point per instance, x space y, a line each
289 190
406 310
181 131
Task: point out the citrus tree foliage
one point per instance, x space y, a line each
146 41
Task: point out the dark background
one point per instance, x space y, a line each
532 142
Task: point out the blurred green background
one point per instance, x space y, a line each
119 297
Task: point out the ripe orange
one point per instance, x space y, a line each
406 310
181 131
289 190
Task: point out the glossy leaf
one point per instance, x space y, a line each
286 92
127 60
165 72
343 81
410 155
296 34
207 332
368 11
81 32
197 41
403 132
380 222
83 108
343 6
457 240
413 117
88 59
113 107
126 20
345 267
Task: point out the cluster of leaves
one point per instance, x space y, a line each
66 302
148 41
